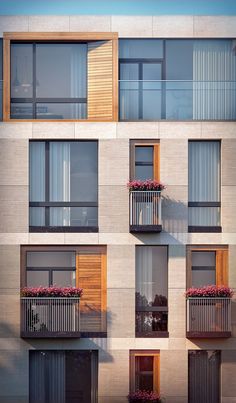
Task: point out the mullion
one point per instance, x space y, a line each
34 80
47 184
140 86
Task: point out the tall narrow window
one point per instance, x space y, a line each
151 291
204 186
63 376
145 370
63 185
144 159
204 376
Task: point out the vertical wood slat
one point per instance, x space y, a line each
91 276
100 80
6 79
156 162
222 267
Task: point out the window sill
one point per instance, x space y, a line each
155 334
192 228
63 229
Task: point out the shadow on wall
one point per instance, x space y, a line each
174 215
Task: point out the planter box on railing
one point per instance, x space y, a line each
50 317
208 317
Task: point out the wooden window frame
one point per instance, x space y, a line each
76 249
221 262
156 367
57 37
156 156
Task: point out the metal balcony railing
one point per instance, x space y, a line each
145 211
177 100
50 317
208 317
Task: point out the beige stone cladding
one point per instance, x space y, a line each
114 224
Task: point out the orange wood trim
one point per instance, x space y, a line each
8 120
156 367
6 79
60 36
188 267
156 373
207 247
222 267
115 89
156 162
104 291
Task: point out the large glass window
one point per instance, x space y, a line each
1 76
151 291
204 376
63 376
48 81
63 184
204 186
177 79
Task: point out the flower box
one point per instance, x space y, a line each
210 291
147 185
56 292
143 396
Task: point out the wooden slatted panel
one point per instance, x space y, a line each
90 275
100 80
222 267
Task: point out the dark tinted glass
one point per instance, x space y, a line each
179 59
61 70
144 154
21 110
78 377
50 259
1 59
22 71
203 269
61 110
143 172
140 48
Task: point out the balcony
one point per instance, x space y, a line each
175 100
145 211
50 317
208 317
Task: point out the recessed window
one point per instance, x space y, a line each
145 370
48 81
63 185
204 193
144 159
151 287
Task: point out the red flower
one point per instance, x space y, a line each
143 396
146 185
51 292
213 291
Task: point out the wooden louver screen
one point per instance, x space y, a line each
90 277
100 80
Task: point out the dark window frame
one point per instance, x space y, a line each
34 100
47 204
156 368
155 333
205 228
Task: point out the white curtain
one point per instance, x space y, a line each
60 182
129 91
204 181
37 181
47 376
144 275
214 76
78 79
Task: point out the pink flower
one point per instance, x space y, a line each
146 185
143 396
52 291
213 291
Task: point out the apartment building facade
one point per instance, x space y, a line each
90 103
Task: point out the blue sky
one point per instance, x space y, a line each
137 7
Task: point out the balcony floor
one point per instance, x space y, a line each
145 228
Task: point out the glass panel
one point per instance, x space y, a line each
74 216
144 154
37 175
36 278
151 276
21 71
73 176
129 71
204 175
61 70
37 216
61 111
129 91
51 259
145 363
63 278
1 77
147 322
204 216
21 111
202 278
152 71
151 104
140 48
78 377
179 59
204 259
179 100
143 172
